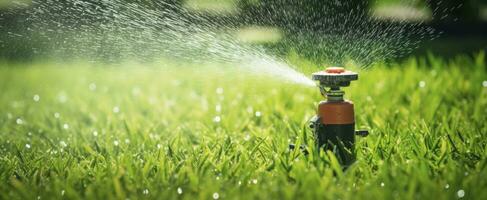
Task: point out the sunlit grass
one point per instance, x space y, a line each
402 13
257 34
219 6
207 132
15 3
398 10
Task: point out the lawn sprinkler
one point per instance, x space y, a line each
334 124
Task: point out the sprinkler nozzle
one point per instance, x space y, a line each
335 77
331 79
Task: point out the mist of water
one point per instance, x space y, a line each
145 30
118 30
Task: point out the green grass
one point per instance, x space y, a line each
425 143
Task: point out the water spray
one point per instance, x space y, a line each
334 124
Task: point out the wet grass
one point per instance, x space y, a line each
82 132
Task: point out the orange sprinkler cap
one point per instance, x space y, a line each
335 70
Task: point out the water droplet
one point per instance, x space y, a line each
116 109
239 182
461 193
92 86
250 109
135 91
57 115
247 137
127 141
382 184
159 146
115 142
62 98
36 98
180 191
484 83
95 133
258 114
219 90
422 84
63 144
66 126
146 192
447 186
62 192
254 181
176 82
19 121
217 119
27 146
216 195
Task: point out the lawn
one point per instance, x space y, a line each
180 131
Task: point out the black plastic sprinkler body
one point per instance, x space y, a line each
334 124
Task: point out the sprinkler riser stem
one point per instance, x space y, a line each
334 129
333 97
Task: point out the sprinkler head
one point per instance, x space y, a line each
335 77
